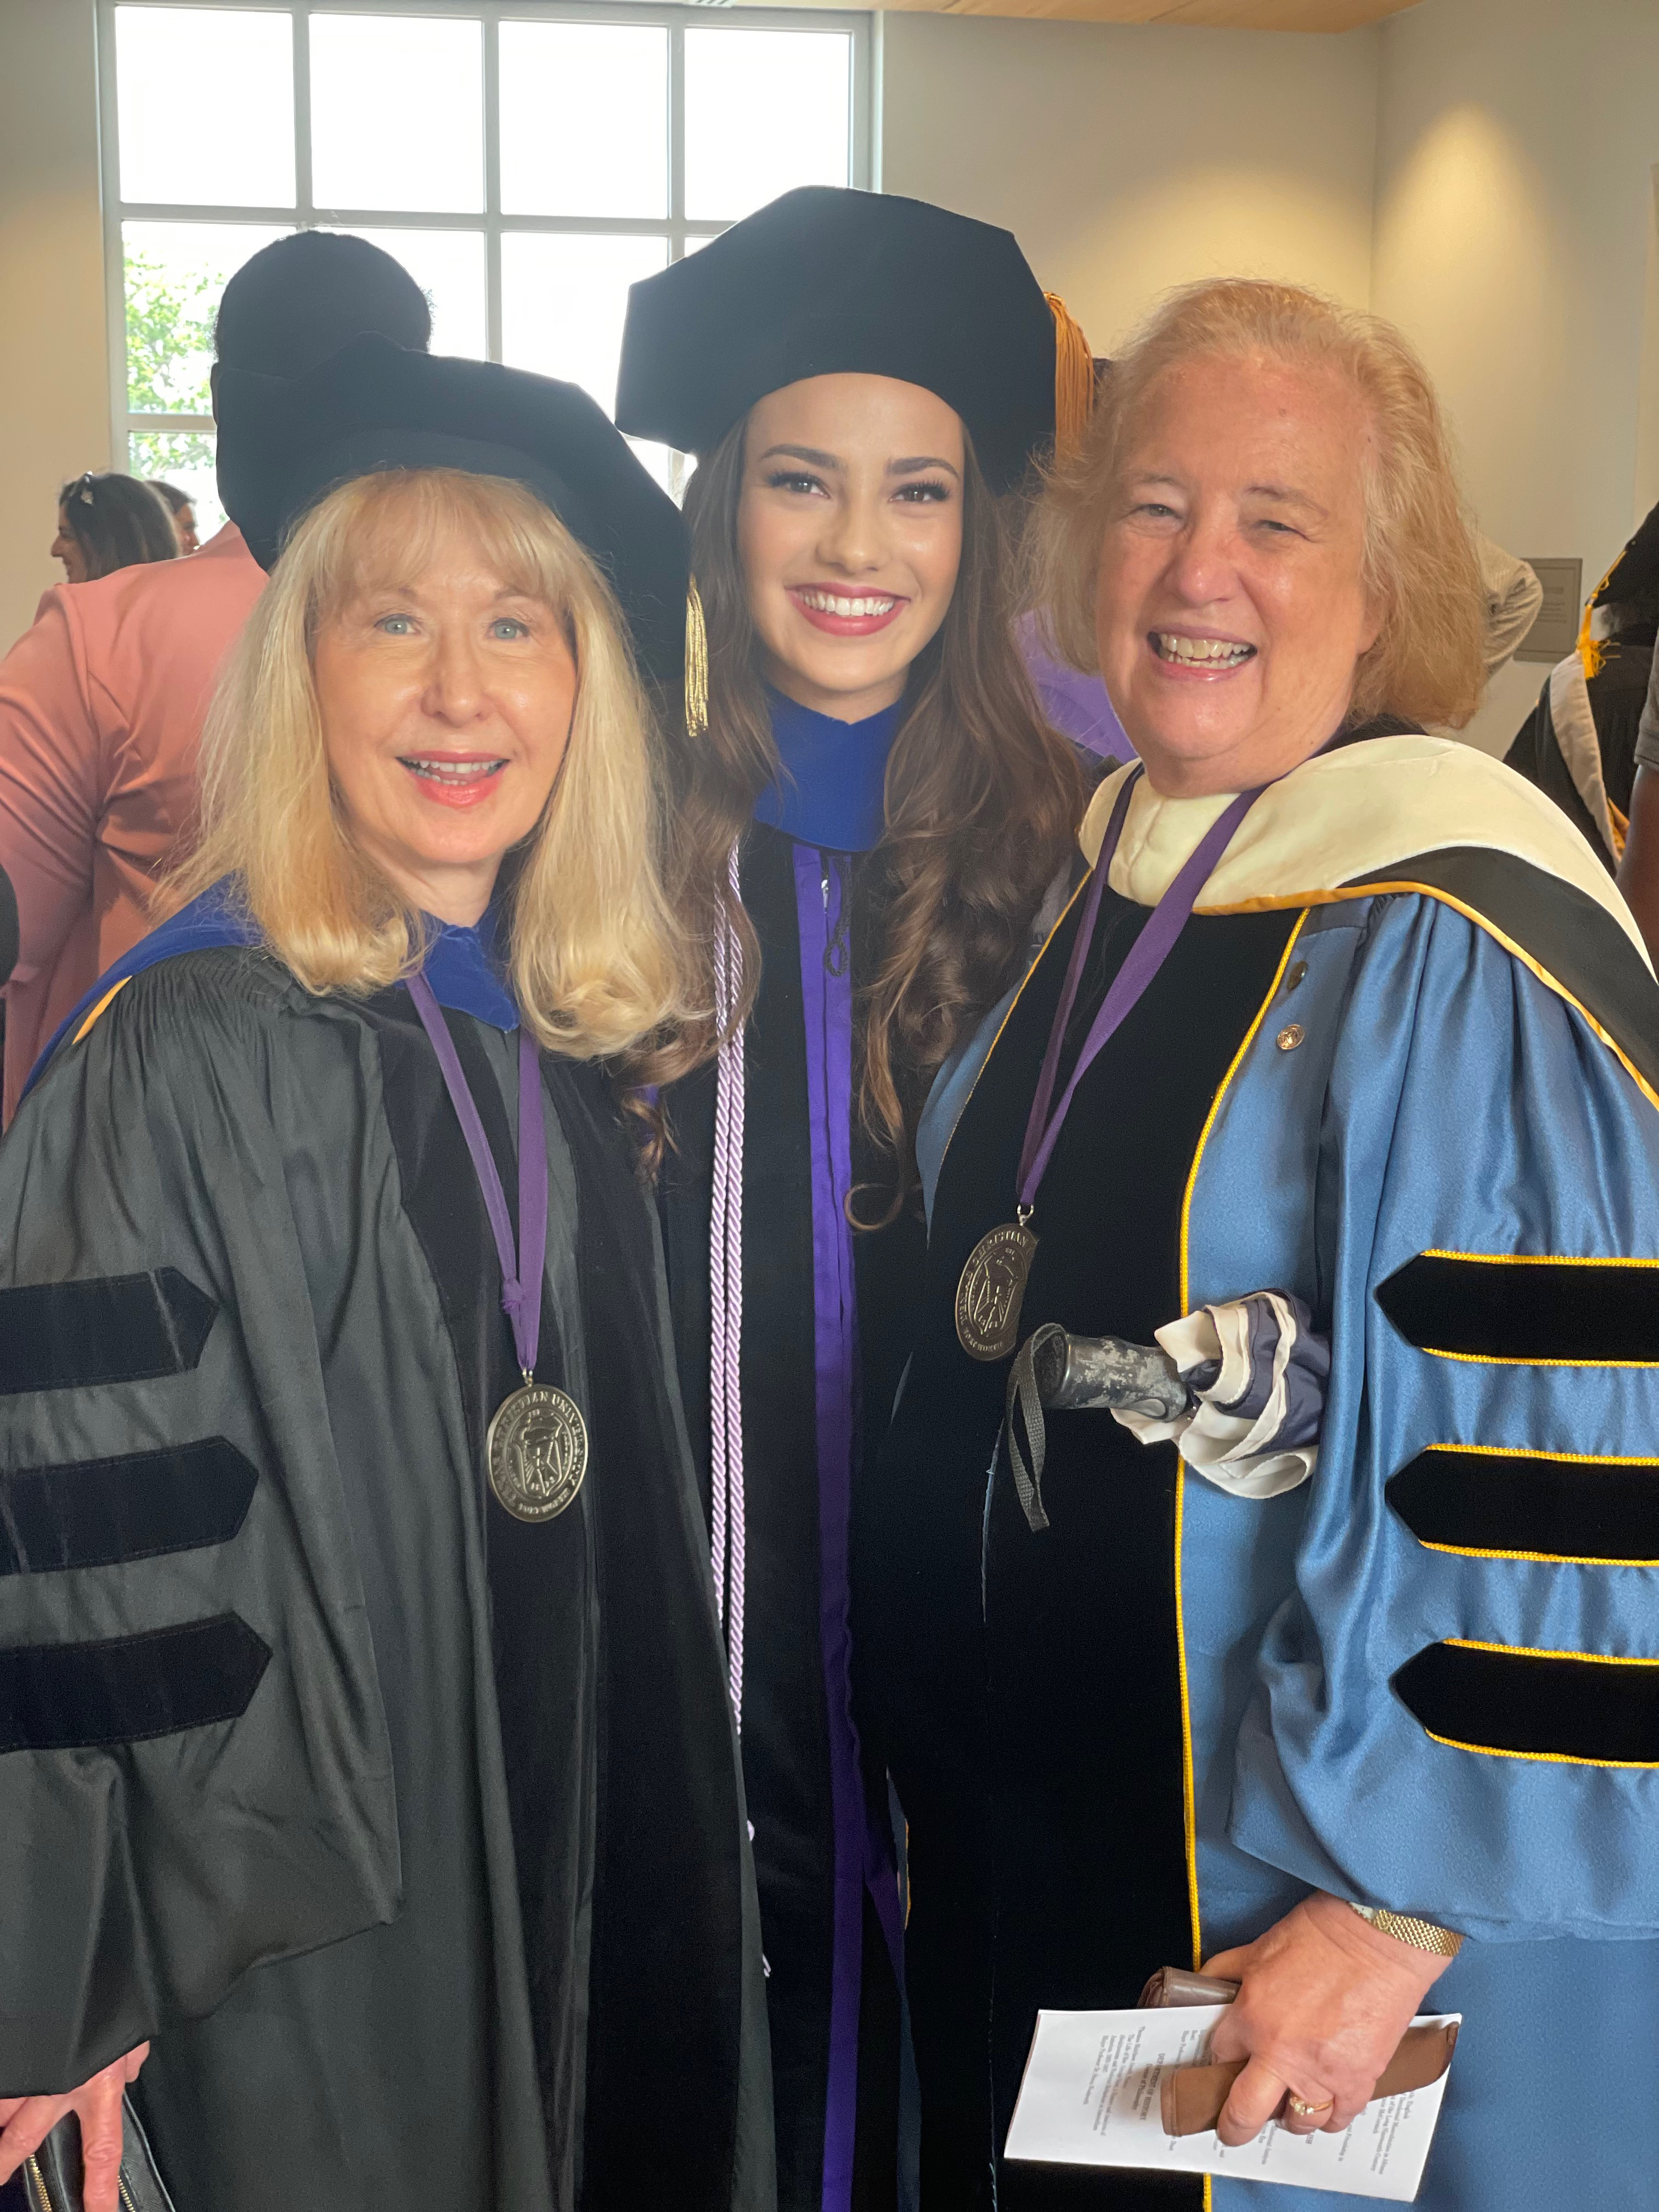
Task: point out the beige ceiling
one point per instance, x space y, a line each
1232 15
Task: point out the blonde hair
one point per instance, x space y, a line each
1420 567
596 961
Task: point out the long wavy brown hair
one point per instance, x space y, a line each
982 802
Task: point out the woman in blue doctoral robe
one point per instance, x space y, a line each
1402 1064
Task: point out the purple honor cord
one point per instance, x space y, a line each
1134 979
521 1271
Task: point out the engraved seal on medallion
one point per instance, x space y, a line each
537 1451
991 1290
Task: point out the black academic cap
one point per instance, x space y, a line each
283 441
1635 574
824 280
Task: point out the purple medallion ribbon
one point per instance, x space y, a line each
1134 979
521 1271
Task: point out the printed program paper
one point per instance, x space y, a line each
1090 2097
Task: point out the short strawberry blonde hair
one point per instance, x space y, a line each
1419 561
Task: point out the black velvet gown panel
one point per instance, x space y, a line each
785 1742
1025 1688
543 1614
456 1896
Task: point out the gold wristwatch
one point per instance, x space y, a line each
1421 1935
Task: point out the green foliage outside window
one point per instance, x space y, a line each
170 313
169 335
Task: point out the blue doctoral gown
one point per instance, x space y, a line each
1428 1679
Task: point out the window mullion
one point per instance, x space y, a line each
492 90
115 271
672 224
305 207
676 140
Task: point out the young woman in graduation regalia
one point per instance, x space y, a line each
366 1740
870 820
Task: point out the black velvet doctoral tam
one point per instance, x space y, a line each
286 441
824 281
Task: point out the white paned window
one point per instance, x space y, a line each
526 164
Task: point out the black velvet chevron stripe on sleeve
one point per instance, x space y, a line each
1531 1502
125 1689
1536 1704
109 1328
1531 1311
92 1513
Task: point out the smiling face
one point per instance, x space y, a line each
1231 608
849 529
66 548
184 522
446 701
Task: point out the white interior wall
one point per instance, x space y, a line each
1128 158
1647 411
1515 245
54 365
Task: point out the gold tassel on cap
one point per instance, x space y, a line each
1589 648
1074 377
696 663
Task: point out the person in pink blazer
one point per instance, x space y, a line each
102 699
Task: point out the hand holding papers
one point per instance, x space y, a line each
1093 2095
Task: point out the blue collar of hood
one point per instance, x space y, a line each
830 790
462 965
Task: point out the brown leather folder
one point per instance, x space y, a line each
1178 1986
1192 2096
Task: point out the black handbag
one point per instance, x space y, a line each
51 2179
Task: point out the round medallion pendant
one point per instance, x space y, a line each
536 1452
991 1290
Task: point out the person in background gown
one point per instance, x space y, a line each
1380 1715
1580 743
183 509
380 1780
1638 875
1073 699
869 824
101 701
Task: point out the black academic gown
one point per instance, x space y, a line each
412 1836
995 1679
1578 744
787 1754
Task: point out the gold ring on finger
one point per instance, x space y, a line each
1304 2110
